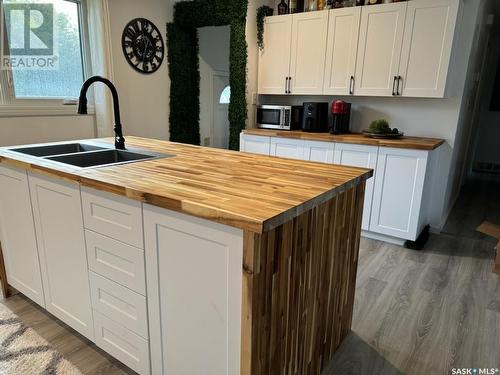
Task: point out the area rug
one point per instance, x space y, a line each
24 352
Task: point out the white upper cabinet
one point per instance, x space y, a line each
307 64
59 229
18 237
341 51
274 61
379 51
427 45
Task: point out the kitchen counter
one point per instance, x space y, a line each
206 246
416 143
251 192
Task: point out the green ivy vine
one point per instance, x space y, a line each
262 12
183 64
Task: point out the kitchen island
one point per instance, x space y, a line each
205 262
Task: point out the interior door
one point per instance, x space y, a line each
427 45
220 118
341 52
379 51
274 59
18 237
307 64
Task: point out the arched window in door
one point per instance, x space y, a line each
225 96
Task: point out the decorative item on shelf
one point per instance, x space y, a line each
338 3
282 8
329 4
373 2
360 3
349 3
312 5
381 129
321 4
143 46
262 12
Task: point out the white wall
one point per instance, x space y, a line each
143 98
25 130
214 57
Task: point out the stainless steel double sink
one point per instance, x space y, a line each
87 155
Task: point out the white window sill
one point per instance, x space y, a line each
40 110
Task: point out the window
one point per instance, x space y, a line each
225 96
43 54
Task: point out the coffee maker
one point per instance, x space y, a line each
341 118
315 118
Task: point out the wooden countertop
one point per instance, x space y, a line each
416 143
247 191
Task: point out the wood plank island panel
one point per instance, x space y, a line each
298 288
415 143
251 192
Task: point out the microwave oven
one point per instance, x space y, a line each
279 117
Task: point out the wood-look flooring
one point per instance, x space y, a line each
415 312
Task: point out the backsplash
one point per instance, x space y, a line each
418 117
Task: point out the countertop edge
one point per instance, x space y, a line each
411 142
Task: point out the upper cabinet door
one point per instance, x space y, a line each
18 234
379 51
341 52
427 45
307 65
274 60
59 229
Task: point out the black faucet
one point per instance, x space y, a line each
82 107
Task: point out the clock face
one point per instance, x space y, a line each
143 45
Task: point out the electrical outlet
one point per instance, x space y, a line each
206 141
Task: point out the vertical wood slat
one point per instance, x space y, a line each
298 288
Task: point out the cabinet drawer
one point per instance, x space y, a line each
116 261
124 345
113 216
119 304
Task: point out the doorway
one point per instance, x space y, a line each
214 85
221 96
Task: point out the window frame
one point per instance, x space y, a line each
10 106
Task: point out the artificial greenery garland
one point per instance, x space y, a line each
183 62
262 12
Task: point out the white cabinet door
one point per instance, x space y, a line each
287 148
364 157
18 234
321 152
341 52
428 40
195 315
60 235
274 59
307 64
379 51
397 196
255 144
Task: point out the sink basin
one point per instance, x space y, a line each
60 149
104 158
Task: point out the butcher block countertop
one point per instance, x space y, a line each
252 192
415 143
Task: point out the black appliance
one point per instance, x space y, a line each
315 117
341 118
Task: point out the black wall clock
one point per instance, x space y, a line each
143 46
